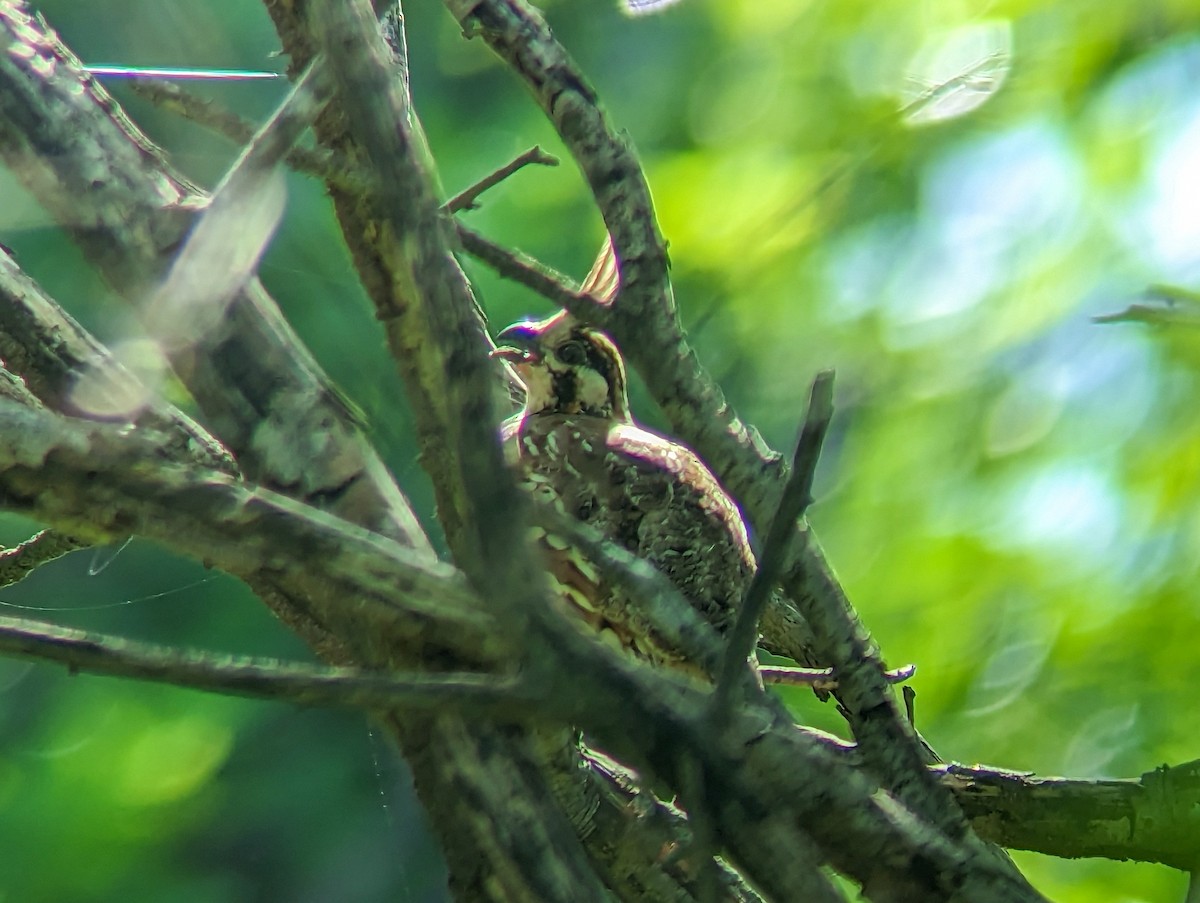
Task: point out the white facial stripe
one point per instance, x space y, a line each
591 389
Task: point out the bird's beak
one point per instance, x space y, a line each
517 344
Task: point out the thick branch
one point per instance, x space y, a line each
433 304
432 327
1143 819
99 481
1148 819
65 367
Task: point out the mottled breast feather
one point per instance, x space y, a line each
653 496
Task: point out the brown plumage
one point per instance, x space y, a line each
576 447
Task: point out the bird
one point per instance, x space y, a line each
575 446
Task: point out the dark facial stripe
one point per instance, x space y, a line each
565 389
602 358
598 358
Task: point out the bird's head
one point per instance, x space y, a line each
566 367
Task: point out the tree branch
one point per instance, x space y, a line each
260 678
19 561
1148 819
793 502
521 268
69 371
220 254
99 481
438 306
265 396
210 115
437 338
633 708
465 199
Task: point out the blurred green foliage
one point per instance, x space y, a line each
1011 494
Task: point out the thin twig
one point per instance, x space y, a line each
536 276
794 501
743 638
210 115
820 678
465 199
258 678
522 38
19 562
166 72
910 696
521 268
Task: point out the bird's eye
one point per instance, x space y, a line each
571 353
